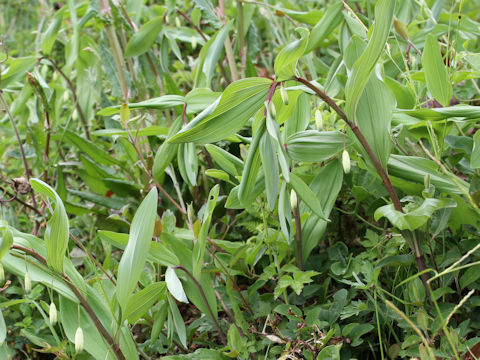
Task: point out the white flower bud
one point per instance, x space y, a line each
284 95
194 42
426 181
74 115
79 339
318 119
28 282
177 22
346 161
293 199
273 111
53 313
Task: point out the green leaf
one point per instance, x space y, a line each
3 329
187 161
228 162
413 168
91 149
475 157
217 174
469 276
404 96
413 219
270 169
178 324
141 302
51 34
208 57
251 167
326 185
148 131
438 82
175 286
300 116
166 152
466 112
199 99
159 103
374 115
315 146
285 211
143 40
157 253
364 66
325 26
6 239
135 254
307 195
57 232
238 103
199 247
287 58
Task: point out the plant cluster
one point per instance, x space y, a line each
240 179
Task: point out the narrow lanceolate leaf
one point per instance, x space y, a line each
300 116
252 165
200 246
314 146
159 103
374 115
135 254
270 169
326 185
143 300
52 31
287 58
166 152
414 169
329 21
228 162
364 66
307 196
438 82
208 57
238 103
6 239
91 149
475 158
466 112
142 40
56 234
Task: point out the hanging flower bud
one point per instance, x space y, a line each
53 313
293 199
177 22
74 115
426 181
346 161
284 95
28 282
273 111
79 339
2 274
194 42
318 119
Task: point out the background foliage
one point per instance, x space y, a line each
240 179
